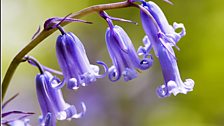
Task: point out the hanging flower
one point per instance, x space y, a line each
52 103
122 52
162 36
74 63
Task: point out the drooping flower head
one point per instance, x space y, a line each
72 57
51 101
162 37
50 98
74 63
122 52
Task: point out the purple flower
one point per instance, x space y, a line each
51 101
74 63
123 54
162 37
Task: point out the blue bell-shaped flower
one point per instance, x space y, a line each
162 37
122 52
51 101
74 63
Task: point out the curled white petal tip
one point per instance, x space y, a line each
75 88
181 26
61 115
189 83
129 74
73 84
84 84
162 91
81 114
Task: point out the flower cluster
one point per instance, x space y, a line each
126 61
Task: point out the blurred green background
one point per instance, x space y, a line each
123 104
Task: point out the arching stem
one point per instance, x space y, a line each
45 33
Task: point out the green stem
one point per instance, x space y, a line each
45 33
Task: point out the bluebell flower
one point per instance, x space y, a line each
51 101
123 54
74 63
163 37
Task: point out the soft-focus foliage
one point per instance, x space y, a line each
123 104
